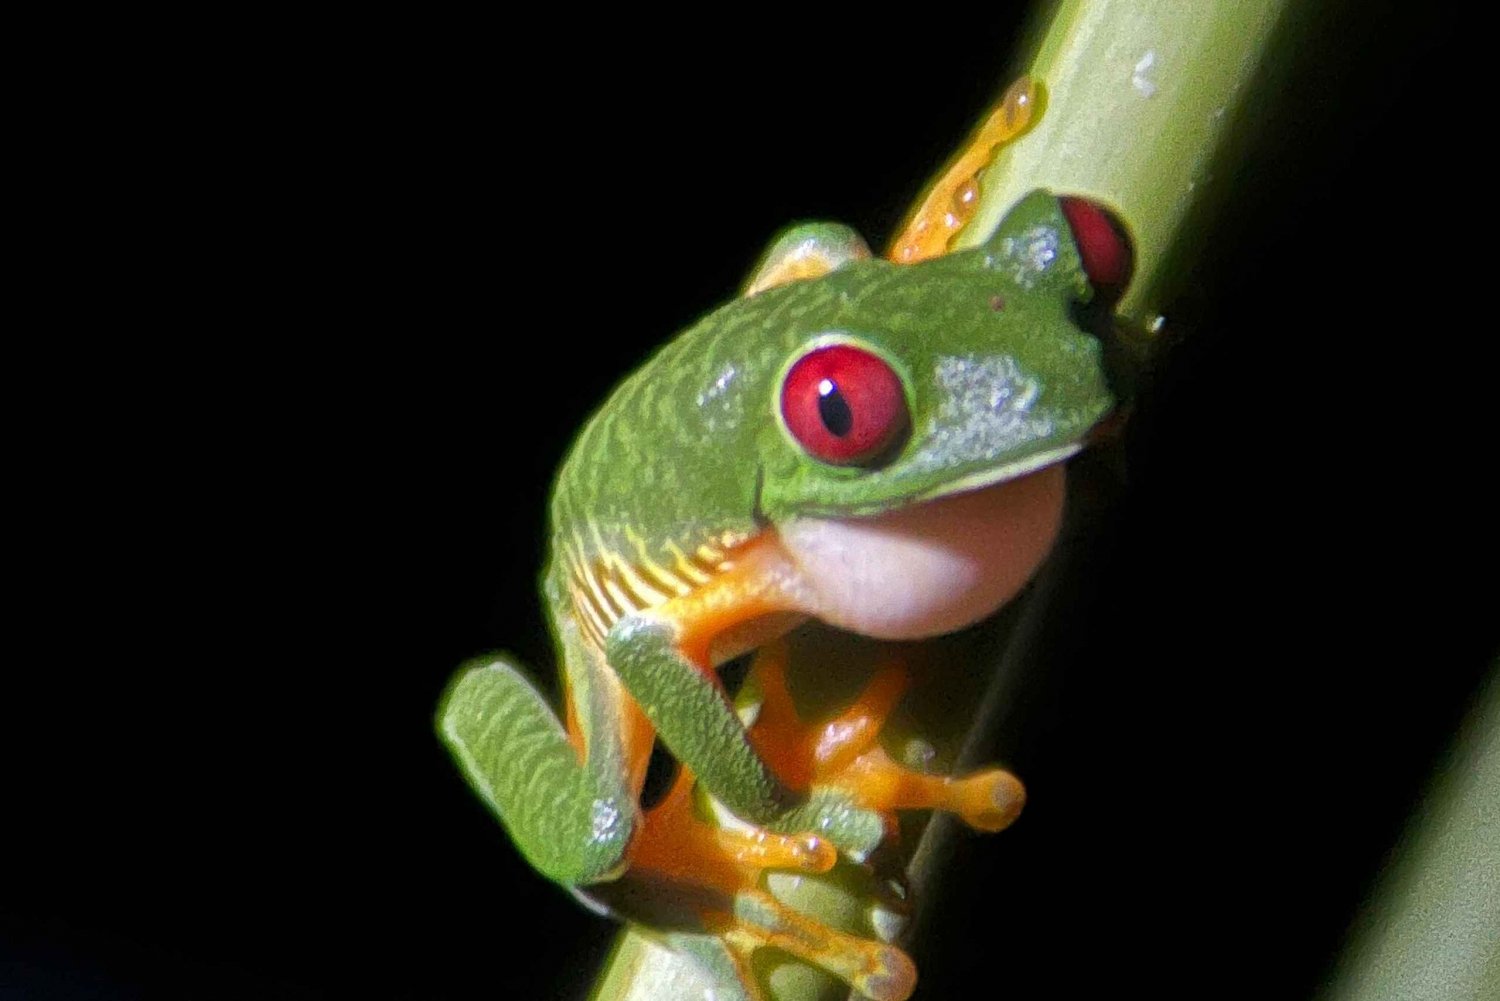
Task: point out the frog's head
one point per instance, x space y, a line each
904 384
922 413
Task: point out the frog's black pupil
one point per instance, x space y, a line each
836 415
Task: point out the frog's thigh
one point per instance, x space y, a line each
571 821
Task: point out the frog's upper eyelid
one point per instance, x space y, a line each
1103 243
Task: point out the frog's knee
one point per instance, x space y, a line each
806 251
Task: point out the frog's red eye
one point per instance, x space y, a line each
1102 243
844 405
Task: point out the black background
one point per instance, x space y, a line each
358 283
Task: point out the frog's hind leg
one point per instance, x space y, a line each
952 200
676 844
571 815
680 864
806 251
843 753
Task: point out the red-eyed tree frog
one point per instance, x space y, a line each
873 444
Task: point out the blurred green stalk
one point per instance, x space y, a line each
1143 104
1431 932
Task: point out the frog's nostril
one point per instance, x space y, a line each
1102 242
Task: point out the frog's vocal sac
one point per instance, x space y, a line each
875 445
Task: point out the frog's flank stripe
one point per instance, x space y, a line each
591 609
618 593
644 595
598 603
574 562
576 551
600 569
612 606
689 569
593 621
611 602
604 587
590 616
606 613
660 574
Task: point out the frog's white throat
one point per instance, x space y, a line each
928 568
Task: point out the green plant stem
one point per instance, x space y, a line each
1431 932
1143 104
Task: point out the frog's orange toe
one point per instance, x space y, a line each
765 850
894 979
876 970
674 842
988 801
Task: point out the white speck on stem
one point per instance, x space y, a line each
1138 77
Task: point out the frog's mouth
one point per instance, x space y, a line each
928 568
979 479
996 476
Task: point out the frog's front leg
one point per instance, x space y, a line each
665 656
571 811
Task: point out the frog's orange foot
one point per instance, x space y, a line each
687 872
676 844
843 753
876 970
952 200
989 800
